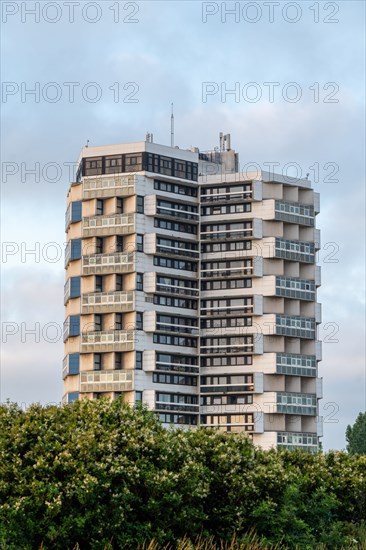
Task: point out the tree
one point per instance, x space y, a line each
356 436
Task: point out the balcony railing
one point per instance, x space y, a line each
296 365
104 381
120 262
108 340
296 403
181 407
291 441
295 327
104 302
294 213
122 186
115 224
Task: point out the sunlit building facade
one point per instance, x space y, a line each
191 287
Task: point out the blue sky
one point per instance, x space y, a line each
156 53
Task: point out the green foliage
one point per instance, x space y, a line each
102 475
356 435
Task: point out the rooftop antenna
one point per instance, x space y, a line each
172 127
87 143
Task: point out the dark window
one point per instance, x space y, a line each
139 320
118 360
119 282
139 281
99 245
93 166
119 205
113 165
98 361
75 249
138 396
99 210
139 360
119 243
140 204
98 283
118 321
175 188
139 243
75 287
98 322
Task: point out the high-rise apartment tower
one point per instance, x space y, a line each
191 287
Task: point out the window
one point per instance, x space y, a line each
99 210
138 359
175 188
139 281
138 397
113 164
98 322
133 162
98 361
119 205
140 204
179 379
118 360
75 287
118 321
170 340
139 320
75 249
139 243
119 282
72 396
223 284
119 243
99 245
76 211
175 302
98 283
74 360
175 264
74 325
176 226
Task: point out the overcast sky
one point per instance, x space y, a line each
107 72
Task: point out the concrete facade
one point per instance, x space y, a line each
191 287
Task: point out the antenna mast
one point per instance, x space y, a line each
172 127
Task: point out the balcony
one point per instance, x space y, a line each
107 302
294 213
298 251
292 441
296 403
108 340
102 187
300 289
106 381
296 365
176 407
295 327
115 224
103 264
